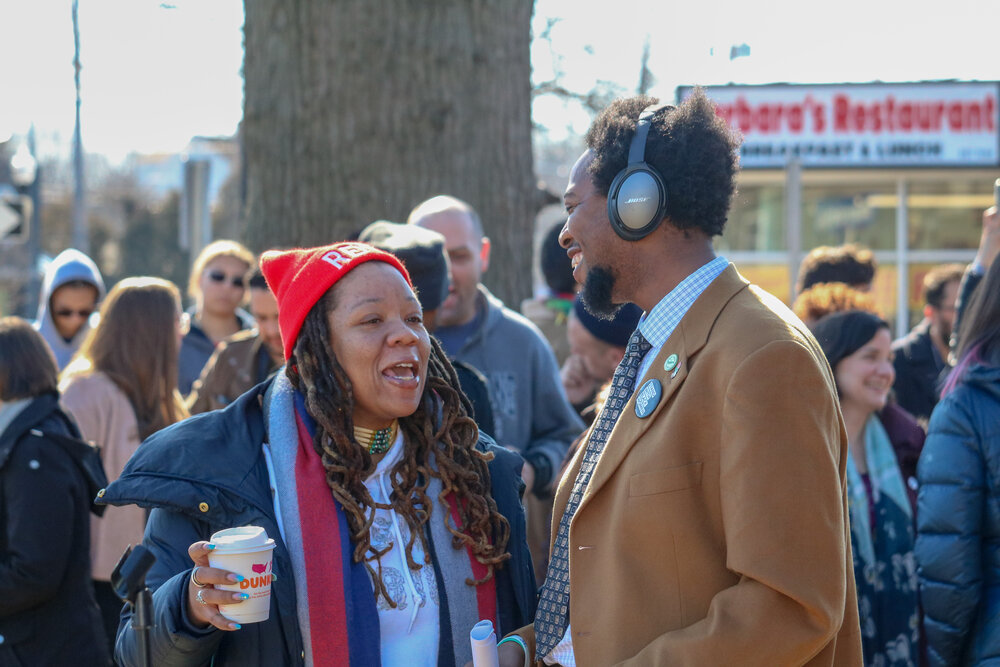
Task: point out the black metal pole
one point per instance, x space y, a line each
142 622
129 583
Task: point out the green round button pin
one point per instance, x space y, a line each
670 363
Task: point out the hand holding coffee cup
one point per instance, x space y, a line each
203 599
247 552
232 580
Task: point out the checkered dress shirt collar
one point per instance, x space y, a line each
657 325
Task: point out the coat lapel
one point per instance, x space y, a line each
686 340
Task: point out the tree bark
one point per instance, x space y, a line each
357 110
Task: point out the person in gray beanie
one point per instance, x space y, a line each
422 252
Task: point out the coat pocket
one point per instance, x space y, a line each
666 480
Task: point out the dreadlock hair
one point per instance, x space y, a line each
315 372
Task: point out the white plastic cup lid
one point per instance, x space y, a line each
244 537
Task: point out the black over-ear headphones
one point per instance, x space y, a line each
637 198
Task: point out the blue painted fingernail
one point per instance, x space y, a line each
235 626
244 596
209 546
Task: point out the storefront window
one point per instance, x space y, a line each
947 215
943 223
850 213
756 221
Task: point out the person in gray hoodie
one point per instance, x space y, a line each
67 306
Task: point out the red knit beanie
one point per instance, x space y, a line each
299 278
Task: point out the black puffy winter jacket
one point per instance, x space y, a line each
958 518
48 477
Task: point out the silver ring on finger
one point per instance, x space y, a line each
199 598
194 579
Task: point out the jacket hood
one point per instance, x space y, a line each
28 417
984 378
43 417
205 459
68 266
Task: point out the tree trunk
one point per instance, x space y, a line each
357 110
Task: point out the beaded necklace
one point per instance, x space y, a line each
377 442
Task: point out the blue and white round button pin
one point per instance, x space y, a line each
648 398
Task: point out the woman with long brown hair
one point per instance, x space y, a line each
121 387
397 525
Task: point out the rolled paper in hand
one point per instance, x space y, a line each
484 645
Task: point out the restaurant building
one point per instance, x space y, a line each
905 169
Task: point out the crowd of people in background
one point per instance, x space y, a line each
269 352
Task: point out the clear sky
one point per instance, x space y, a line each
155 74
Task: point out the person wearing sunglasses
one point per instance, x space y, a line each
218 287
71 290
243 360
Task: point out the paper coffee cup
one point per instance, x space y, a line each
247 551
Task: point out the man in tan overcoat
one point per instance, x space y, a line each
704 522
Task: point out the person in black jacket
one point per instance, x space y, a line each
922 354
417 529
48 477
958 517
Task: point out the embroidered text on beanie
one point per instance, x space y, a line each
300 277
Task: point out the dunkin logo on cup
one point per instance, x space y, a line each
261 578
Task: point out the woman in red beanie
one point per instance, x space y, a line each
397 525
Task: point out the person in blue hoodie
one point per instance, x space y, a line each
958 511
67 306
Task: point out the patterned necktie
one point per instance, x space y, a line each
552 615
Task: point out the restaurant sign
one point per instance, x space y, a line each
932 124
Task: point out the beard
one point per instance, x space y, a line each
946 331
596 293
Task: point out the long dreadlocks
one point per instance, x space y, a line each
461 467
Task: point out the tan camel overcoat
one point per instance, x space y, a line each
715 530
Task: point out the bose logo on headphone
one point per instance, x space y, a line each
637 200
